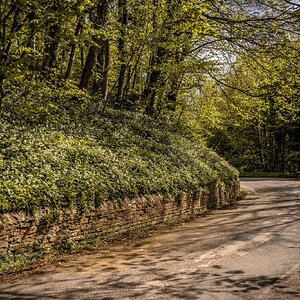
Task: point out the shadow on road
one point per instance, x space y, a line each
176 286
163 265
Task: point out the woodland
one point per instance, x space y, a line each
225 73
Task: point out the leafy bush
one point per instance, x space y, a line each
110 158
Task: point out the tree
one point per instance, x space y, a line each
210 64
99 16
264 97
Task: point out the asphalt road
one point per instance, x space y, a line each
251 251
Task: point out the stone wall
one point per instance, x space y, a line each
21 233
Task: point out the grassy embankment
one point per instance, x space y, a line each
120 155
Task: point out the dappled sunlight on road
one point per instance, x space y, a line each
234 253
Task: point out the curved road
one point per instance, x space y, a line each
251 251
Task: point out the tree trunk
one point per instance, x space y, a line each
1 93
91 60
50 56
150 92
103 62
172 95
73 51
52 41
89 66
99 70
123 19
104 84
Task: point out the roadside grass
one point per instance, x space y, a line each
270 174
14 262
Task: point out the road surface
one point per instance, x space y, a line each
251 251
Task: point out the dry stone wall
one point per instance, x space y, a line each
46 230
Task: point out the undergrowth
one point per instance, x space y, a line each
109 158
13 262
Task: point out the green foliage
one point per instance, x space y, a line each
260 111
40 102
117 156
12 262
49 218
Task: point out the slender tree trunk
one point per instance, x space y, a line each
135 77
30 42
156 80
82 57
281 136
264 148
126 84
52 41
103 62
136 69
103 58
50 55
283 150
6 42
1 93
172 95
123 19
99 70
73 51
104 84
16 26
